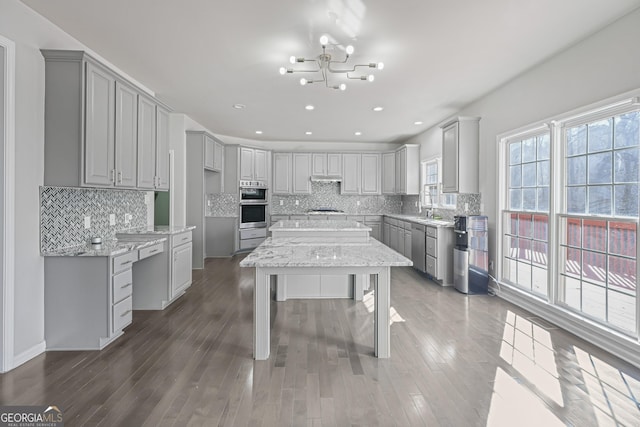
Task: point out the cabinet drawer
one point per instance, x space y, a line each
406 225
373 218
253 233
122 285
180 239
123 262
432 231
151 250
432 266
122 314
251 243
432 247
392 221
359 218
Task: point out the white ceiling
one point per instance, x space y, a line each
203 56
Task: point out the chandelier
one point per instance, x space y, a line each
325 68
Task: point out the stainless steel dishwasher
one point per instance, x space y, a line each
418 247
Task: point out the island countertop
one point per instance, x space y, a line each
315 225
108 248
300 252
158 229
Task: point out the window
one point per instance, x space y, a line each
571 190
430 195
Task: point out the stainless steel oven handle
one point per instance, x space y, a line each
459 231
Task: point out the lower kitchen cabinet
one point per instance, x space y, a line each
439 250
181 271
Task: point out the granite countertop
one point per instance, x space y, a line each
320 226
422 220
107 248
299 252
158 229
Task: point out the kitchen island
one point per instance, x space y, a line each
297 256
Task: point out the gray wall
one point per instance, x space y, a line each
601 66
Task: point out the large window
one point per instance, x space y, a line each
571 192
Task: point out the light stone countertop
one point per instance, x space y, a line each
299 252
158 229
107 248
422 220
319 226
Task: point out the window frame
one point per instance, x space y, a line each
438 203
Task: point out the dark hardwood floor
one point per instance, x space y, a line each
455 361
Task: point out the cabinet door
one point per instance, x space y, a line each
162 148
376 230
126 135
401 171
389 173
450 158
209 152
246 163
260 166
393 237
181 271
350 174
218 156
319 164
99 152
385 233
398 173
146 143
401 246
301 173
370 174
407 243
282 173
334 164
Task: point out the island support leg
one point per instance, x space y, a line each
261 316
382 317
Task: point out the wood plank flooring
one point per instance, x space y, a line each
455 361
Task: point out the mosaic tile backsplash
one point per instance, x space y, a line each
466 204
222 205
62 212
327 195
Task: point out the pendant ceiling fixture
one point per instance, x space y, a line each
324 67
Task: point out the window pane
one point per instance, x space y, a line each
595 235
600 135
539 280
572 292
574 232
515 155
600 168
577 140
525 228
576 200
529 175
529 150
524 251
540 227
626 200
543 173
600 200
544 147
529 199
515 200
622 275
524 275
626 165
594 267
627 131
622 310
515 172
593 301
543 199
622 238
510 248
573 262
577 170
539 253
512 224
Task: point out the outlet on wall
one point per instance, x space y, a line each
112 219
281 202
127 218
357 202
297 202
466 206
87 222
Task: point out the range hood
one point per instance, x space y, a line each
325 178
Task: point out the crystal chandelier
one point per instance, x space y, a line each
325 69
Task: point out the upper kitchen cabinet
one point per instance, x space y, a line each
213 154
389 173
146 142
301 168
281 173
92 126
460 145
292 173
401 171
360 173
253 164
326 164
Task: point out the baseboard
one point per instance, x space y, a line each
617 344
29 354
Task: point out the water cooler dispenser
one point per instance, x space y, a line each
471 254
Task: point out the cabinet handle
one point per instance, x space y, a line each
120 177
126 262
125 286
113 176
125 313
153 251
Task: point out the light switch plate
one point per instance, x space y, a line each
357 202
297 202
87 222
127 218
281 202
112 219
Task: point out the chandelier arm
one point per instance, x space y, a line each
305 71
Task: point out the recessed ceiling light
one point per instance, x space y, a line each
358 133
378 108
259 132
308 133
417 123
239 106
309 107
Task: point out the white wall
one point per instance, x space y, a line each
177 143
601 66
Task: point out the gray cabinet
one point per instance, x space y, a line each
460 150
360 173
371 173
126 137
281 173
146 143
439 248
213 154
407 170
301 168
181 270
388 173
253 164
351 171
246 163
261 165
326 164
162 148
218 156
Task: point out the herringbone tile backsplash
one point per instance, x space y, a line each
62 213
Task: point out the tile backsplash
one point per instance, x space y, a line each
63 210
327 195
466 204
222 205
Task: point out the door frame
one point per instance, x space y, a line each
7 216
